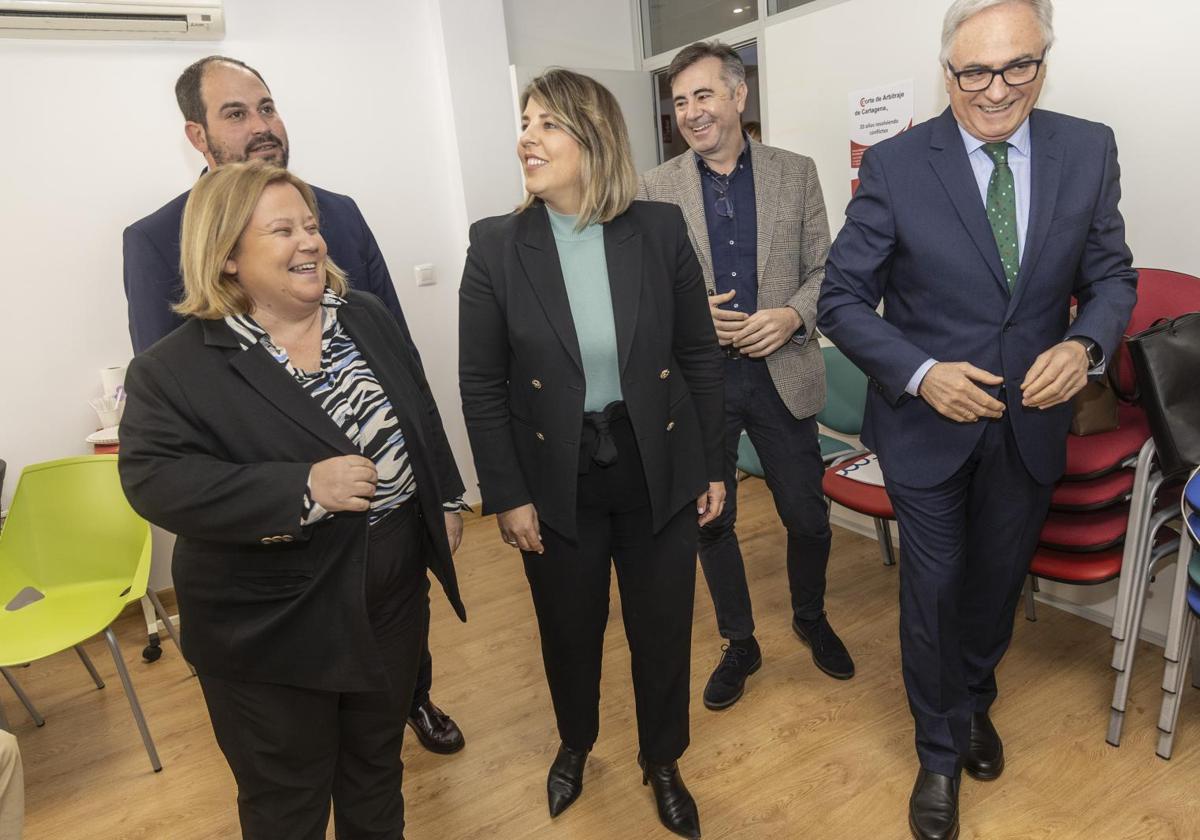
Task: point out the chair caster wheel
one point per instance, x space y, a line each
152 652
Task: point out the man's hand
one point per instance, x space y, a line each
950 388
711 503
727 322
766 331
346 482
519 528
454 529
1056 375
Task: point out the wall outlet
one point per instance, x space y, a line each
424 274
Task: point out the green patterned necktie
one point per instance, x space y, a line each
1002 210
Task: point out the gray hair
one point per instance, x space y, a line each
733 71
961 11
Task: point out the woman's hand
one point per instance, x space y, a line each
344 483
710 504
519 528
454 529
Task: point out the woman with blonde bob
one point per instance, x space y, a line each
286 433
592 388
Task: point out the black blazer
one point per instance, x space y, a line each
522 379
216 446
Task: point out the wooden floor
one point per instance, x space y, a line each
801 756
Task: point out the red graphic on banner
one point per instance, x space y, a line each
857 150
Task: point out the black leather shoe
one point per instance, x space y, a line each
435 730
565 780
828 652
933 807
985 758
728 681
676 808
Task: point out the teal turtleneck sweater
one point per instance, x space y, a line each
585 271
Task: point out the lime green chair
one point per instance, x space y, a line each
72 555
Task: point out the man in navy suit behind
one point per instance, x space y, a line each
230 116
975 229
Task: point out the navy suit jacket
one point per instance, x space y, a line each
917 237
153 282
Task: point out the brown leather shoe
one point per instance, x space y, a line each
435 730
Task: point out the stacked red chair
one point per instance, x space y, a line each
1109 511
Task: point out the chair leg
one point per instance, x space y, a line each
1140 509
23 697
1030 608
1169 714
87 663
1195 665
111 638
1139 541
166 619
1149 560
1116 718
884 534
1178 615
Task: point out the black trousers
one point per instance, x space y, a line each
294 749
965 548
791 458
656 574
424 678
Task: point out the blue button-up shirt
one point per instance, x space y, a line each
731 216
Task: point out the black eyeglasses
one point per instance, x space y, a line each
975 79
724 203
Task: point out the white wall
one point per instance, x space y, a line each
1122 64
93 141
575 33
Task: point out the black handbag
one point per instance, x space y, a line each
1166 360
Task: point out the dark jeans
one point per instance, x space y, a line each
294 749
656 574
791 459
965 547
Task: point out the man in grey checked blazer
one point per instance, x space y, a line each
757 221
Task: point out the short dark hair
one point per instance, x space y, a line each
187 86
732 68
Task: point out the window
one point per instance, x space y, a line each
774 7
669 24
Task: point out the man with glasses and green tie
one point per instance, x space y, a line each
756 218
975 229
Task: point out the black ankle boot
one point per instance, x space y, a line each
565 780
676 808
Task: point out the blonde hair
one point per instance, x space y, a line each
216 214
589 113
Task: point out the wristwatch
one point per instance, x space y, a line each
1094 354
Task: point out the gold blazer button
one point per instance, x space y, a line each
665 373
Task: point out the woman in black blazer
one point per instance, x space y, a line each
592 389
286 434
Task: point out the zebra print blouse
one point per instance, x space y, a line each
346 389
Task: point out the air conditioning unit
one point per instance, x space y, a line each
176 20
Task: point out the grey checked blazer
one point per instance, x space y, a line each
793 241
